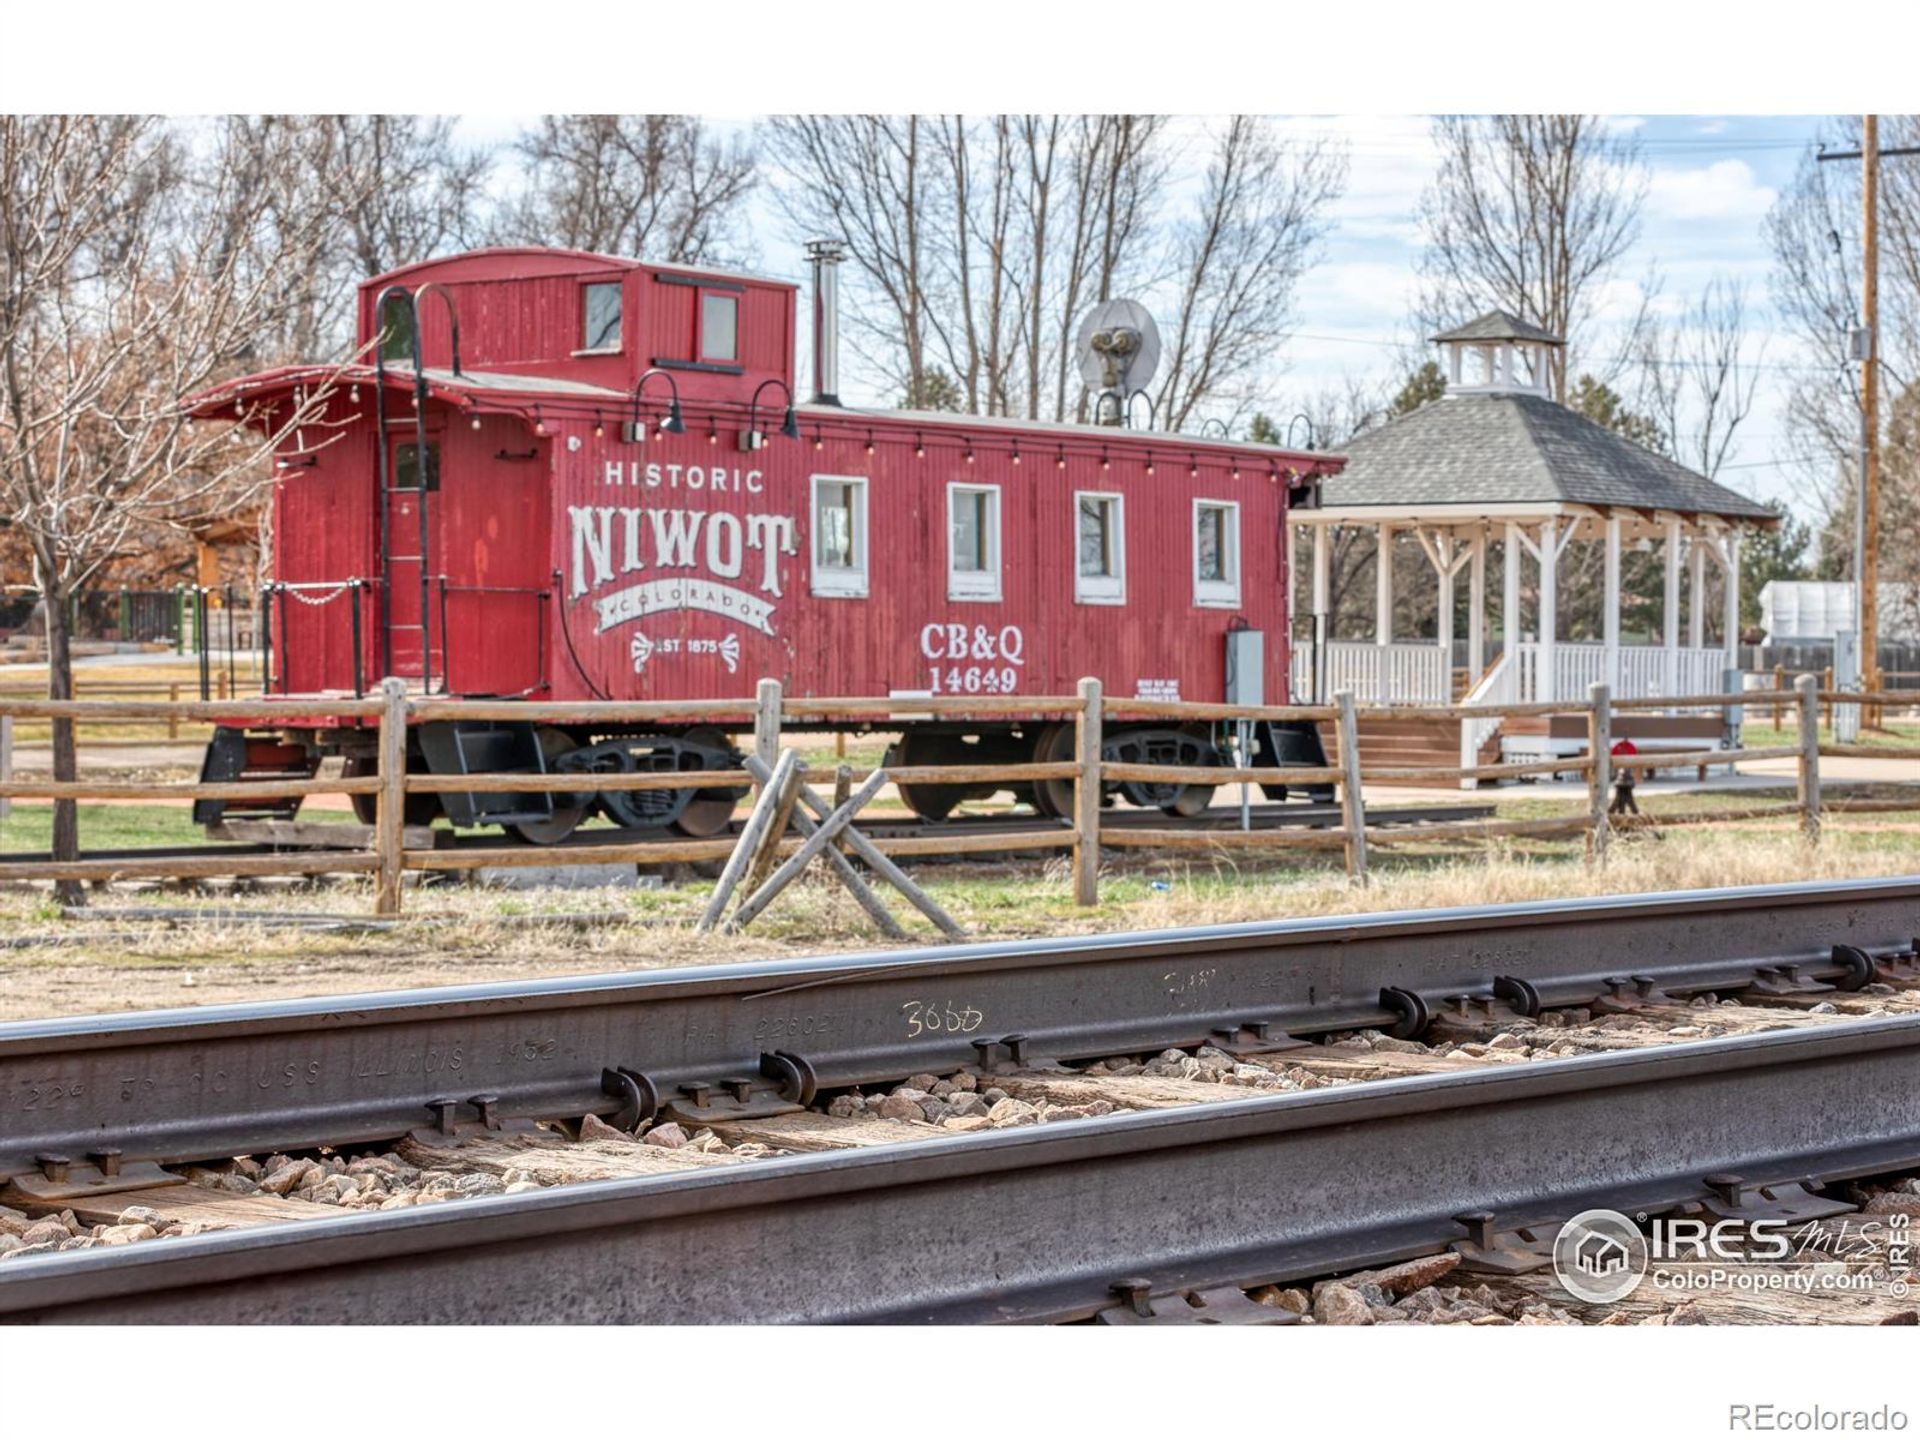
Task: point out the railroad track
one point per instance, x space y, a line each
792 1175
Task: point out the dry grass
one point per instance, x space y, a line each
311 940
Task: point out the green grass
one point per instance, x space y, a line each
1755 736
103 827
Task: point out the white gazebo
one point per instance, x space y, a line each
1498 458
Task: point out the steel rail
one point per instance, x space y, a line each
177 1085
1043 1224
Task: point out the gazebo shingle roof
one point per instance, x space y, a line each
1499 325
1516 448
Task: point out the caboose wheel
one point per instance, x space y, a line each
1053 797
568 809
709 812
418 810
929 802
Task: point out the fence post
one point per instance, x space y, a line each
1808 686
173 719
389 826
766 724
1599 769
1779 684
1353 807
1088 728
6 763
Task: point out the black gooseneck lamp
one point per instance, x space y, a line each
635 430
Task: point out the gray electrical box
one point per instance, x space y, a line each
1246 667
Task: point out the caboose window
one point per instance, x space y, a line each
839 535
719 328
973 542
406 467
602 305
1101 578
396 330
1216 553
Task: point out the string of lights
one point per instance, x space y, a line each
651 420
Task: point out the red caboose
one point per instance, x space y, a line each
568 476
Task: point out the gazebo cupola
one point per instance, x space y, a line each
1499 354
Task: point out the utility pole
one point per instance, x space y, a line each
1867 503
1870 404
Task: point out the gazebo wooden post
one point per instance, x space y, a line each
1383 609
1477 607
1322 570
1610 610
1383 583
1697 592
1670 611
1510 607
1730 602
1547 679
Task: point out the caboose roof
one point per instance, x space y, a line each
590 258
441 384
522 393
1064 430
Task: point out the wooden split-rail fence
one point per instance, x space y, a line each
394 850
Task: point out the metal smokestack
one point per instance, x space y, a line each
826 256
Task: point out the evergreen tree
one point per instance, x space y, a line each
1422 387
1602 404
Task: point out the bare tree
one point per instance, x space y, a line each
1241 257
132 273
1529 214
1814 231
376 192
652 185
978 243
1698 377
863 180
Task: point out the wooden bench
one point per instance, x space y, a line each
1546 737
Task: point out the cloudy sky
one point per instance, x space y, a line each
1712 181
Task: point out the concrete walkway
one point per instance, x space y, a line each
1756 775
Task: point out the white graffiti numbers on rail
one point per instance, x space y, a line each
931 1017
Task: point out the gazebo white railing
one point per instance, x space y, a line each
1404 673
1419 673
1643 671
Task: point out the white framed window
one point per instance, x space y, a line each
600 323
839 535
1100 540
1216 553
973 542
719 328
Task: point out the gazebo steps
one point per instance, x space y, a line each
1405 742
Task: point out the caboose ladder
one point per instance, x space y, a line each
413 656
